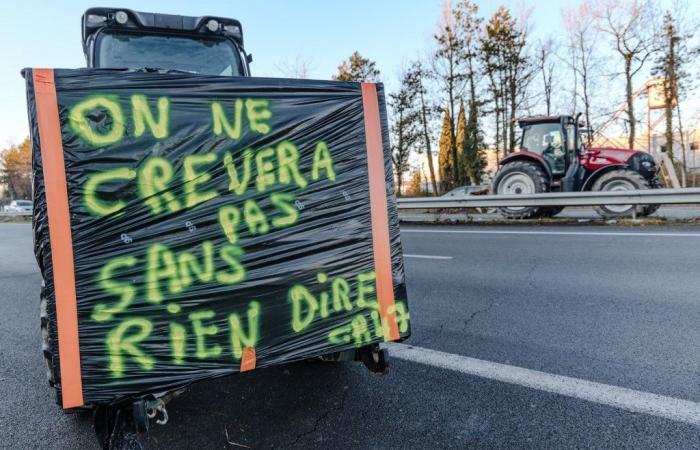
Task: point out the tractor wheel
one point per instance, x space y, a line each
550 211
620 180
648 210
520 177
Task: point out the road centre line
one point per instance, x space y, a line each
426 256
556 233
605 394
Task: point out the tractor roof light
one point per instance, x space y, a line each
121 17
213 25
235 29
94 19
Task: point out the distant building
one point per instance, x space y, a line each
691 150
691 139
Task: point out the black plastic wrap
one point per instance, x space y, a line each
183 259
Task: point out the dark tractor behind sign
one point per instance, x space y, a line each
120 38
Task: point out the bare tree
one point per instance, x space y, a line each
546 64
632 27
299 68
404 128
449 71
416 78
521 70
582 40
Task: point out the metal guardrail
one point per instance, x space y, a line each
589 198
15 213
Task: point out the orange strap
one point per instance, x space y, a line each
56 191
248 359
380 215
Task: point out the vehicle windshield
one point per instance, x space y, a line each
23 203
207 56
546 139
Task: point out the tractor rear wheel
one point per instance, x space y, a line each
520 177
620 180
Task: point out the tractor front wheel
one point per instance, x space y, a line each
620 180
651 209
521 177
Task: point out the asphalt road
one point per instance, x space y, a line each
615 306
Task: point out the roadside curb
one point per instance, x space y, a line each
652 221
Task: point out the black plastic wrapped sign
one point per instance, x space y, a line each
189 227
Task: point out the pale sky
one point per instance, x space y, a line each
322 33
391 32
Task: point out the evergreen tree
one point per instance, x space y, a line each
474 159
460 141
669 66
461 131
445 154
357 68
507 67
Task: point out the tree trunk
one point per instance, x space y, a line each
669 92
630 101
504 124
455 181
586 106
498 134
669 130
547 91
683 148
513 106
426 137
399 166
504 115
494 92
471 134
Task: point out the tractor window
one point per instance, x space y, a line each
546 139
207 56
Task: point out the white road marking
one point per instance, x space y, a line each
426 256
557 233
619 397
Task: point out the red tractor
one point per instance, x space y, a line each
553 158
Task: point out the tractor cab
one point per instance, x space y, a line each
553 140
121 38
